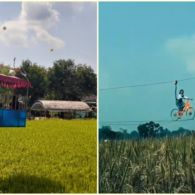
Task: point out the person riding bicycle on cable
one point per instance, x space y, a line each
180 97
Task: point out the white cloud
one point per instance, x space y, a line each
70 9
32 26
184 49
39 13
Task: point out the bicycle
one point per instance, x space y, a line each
187 111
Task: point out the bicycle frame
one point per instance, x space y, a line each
186 107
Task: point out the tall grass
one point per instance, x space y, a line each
148 166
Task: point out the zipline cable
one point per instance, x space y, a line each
132 123
145 84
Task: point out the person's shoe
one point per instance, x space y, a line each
180 113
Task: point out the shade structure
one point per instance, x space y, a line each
13 82
60 106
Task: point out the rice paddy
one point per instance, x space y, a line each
49 156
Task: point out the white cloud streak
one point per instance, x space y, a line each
184 49
32 26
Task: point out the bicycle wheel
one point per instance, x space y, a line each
174 114
190 114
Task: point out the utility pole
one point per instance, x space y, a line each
14 62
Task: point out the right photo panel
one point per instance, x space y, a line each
146 92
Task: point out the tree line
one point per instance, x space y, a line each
65 80
146 130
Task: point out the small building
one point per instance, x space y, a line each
91 100
62 109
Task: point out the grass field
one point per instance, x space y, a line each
49 156
148 166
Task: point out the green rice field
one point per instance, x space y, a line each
49 155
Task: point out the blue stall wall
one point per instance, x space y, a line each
12 118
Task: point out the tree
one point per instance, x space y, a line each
62 82
4 69
106 133
86 80
163 132
70 82
148 129
134 135
37 76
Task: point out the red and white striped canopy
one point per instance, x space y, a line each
13 82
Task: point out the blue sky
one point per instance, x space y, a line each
142 43
33 28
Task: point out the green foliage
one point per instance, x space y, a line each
86 80
148 129
37 75
148 166
49 156
70 82
106 133
4 70
62 80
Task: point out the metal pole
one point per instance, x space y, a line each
14 62
27 92
25 76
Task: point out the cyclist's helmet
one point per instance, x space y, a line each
181 91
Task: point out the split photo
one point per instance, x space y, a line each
48 83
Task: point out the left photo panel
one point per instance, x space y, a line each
48 95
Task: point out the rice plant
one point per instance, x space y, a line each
147 166
49 156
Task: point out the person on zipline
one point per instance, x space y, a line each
179 99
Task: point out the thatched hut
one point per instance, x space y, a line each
62 109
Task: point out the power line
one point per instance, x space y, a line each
146 84
139 121
136 122
132 123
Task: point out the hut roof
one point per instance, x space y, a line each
60 106
89 98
